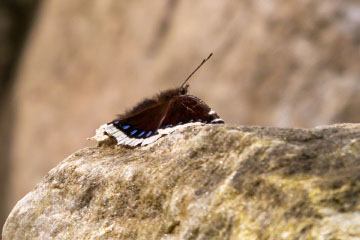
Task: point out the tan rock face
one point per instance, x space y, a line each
212 182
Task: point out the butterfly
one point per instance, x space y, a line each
158 116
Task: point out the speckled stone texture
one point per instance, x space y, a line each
212 182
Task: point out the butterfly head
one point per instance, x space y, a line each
183 89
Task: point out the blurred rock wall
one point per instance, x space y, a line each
16 17
279 63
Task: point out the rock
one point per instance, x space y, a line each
212 182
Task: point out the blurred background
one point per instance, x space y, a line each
67 67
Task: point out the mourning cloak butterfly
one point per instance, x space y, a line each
161 115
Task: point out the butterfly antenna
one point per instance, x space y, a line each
203 61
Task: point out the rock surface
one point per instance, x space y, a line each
211 182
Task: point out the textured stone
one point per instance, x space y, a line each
211 182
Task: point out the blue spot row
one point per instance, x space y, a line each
136 133
125 127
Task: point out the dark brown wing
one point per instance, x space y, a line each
143 123
176 111
187 108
